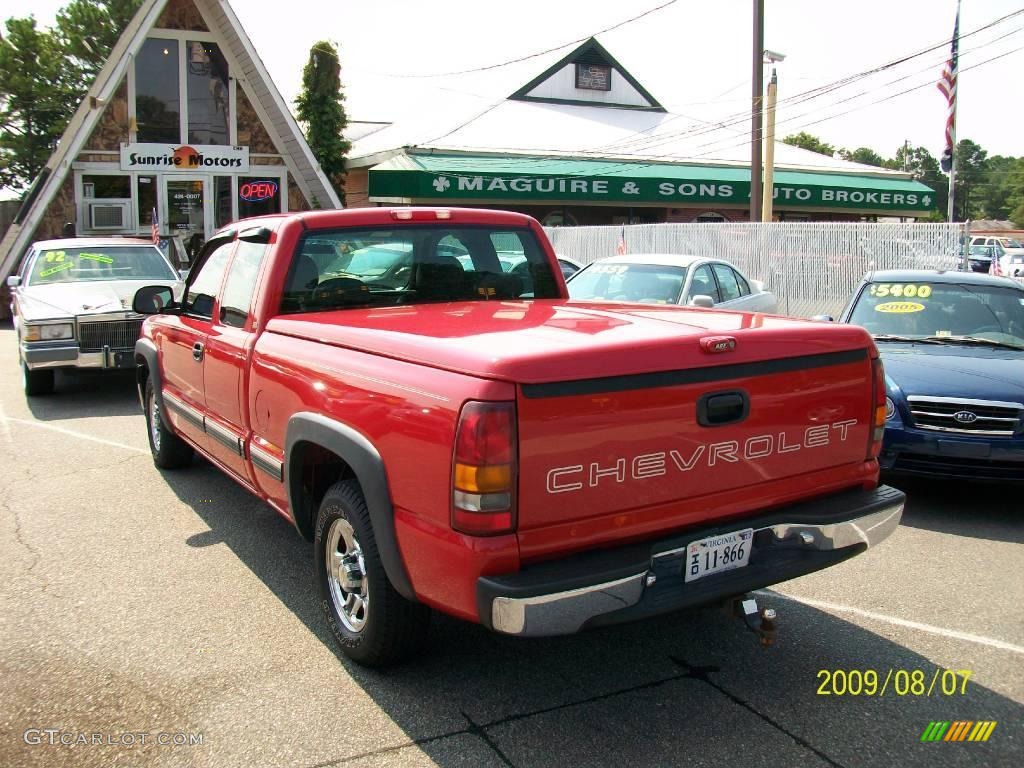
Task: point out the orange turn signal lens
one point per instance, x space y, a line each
880 415
491 479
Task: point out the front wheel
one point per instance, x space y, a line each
374 625
169 451
39 382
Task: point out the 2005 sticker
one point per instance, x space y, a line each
899 307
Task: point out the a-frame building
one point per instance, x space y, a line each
182 122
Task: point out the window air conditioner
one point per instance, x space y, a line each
110 215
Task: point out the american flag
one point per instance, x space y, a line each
995 268
947 84
621 247
154 230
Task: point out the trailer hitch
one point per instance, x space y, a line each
760 621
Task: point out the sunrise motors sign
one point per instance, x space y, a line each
186 158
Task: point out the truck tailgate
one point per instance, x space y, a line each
686 442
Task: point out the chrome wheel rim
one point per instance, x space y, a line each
154 422
346 575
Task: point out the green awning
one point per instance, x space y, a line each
472 178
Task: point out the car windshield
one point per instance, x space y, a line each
981 250
644 283
100 262
1009 242
943 312
416 264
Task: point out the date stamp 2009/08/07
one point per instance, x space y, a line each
897 682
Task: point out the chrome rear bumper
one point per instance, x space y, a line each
783 549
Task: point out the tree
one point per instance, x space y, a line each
864 155
88 30
33 101
922 165
807 141
321 109
997 189
44 74
971 162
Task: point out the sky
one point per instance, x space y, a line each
693 56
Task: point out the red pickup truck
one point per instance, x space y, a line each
414 391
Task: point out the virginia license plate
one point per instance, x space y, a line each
715 554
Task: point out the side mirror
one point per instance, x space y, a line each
823 318
13 281
702 300
153 299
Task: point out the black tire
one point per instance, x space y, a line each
392 628
169 451
38 382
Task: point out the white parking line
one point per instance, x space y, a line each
5 420
950 633
5 429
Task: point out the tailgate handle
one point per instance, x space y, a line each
716 409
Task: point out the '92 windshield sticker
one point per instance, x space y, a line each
900 290
899 307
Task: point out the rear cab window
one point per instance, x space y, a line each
336 269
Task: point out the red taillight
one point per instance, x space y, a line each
484 469
877 431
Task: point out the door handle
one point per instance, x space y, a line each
197 351
719 408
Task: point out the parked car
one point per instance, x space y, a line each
953 348
469 442
979 257
670 279
72 303
1003 248
1014 266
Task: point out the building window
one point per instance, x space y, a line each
222 201
593 77
710 218
145 194
107 187
207 82
559 219
157 92
258 196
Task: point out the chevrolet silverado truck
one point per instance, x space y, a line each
455 437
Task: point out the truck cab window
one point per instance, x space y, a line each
203 290
241 284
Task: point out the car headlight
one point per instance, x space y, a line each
49 332
890 408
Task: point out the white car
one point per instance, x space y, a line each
670 279
72 304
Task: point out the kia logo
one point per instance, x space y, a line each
965 417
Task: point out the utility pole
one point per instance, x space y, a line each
756 91
769 144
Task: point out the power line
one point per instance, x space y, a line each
545 52
640 142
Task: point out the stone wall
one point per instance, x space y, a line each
112 127
181 14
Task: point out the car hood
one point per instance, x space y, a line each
85 298
976 373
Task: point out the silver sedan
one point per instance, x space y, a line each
671 279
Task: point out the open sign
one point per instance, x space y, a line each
257 191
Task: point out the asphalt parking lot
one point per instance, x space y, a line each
145 606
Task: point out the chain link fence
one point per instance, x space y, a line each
812 267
